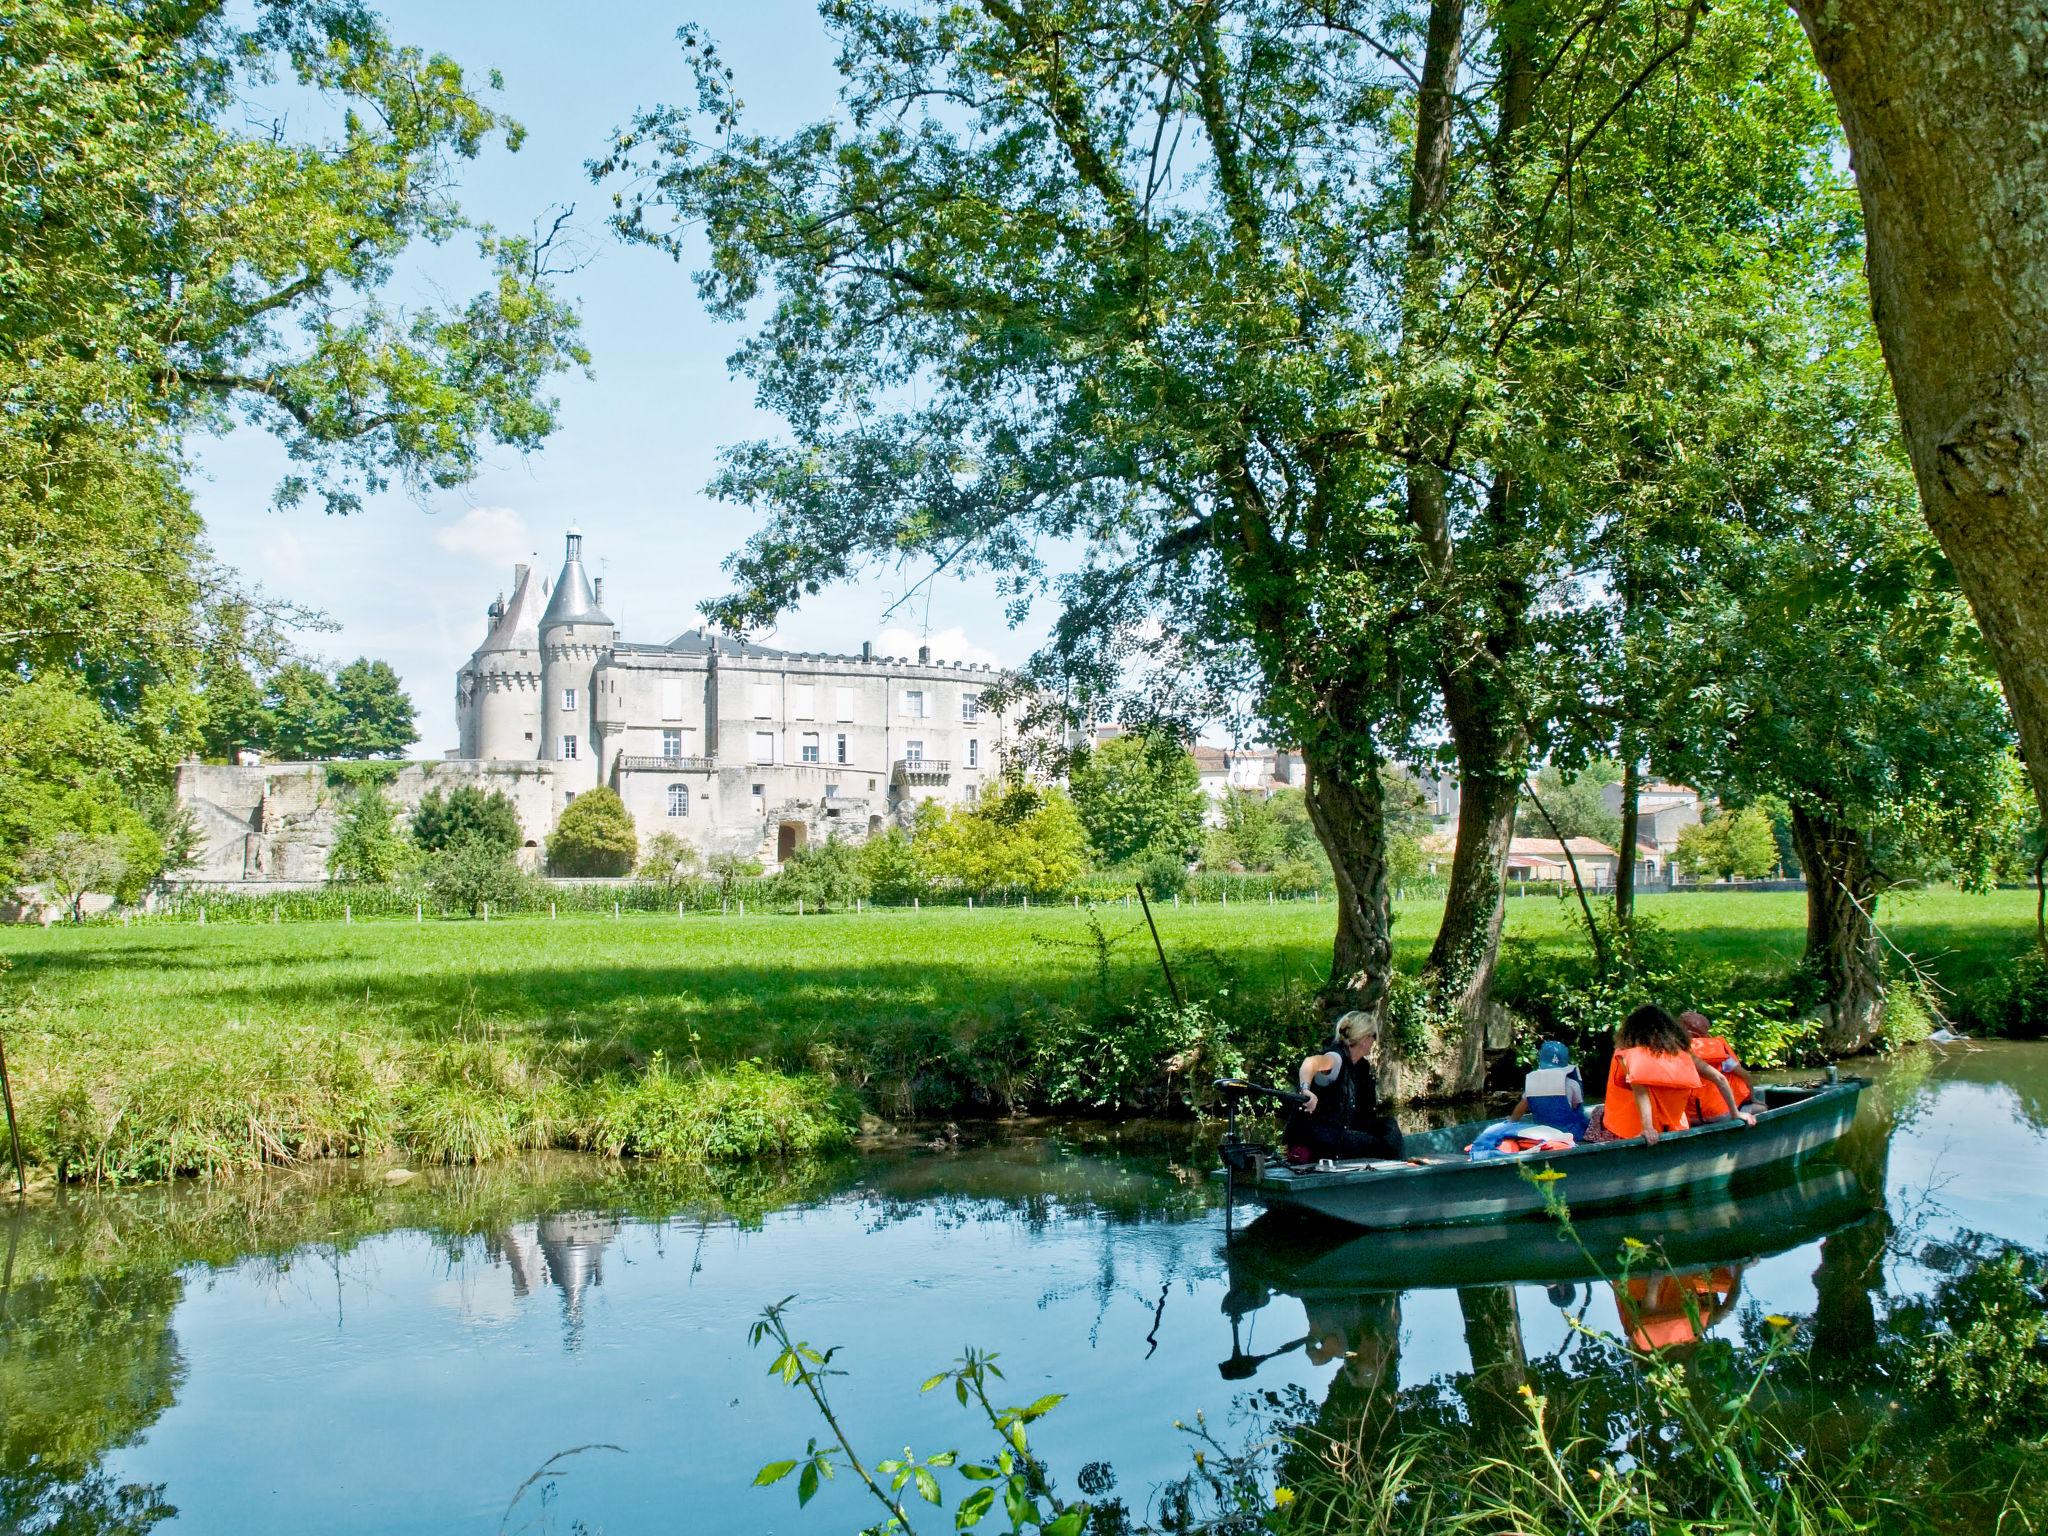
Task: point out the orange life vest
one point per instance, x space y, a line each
1707 1103
1671 1081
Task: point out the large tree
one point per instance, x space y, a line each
1943 103
178 254
1139 795
1271 305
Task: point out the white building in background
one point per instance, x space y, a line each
734 746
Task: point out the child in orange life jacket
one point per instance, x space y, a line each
1653 1077
1718 1053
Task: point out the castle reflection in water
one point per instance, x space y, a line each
566 1251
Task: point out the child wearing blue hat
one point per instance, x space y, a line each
1553 1094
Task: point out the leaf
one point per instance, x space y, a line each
943 1459
927 1485
774 1472
807 1485
973 1507
1017 1501
1069 1523
934 1381
1044 1405
976 1473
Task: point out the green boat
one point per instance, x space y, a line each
1439 1186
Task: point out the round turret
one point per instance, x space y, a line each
575 637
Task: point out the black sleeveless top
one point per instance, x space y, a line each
1348 1102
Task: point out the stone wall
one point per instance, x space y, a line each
277 821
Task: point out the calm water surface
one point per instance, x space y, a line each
323 1351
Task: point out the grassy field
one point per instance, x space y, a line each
166 1046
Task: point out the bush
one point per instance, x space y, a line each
471 875
594 837
668 861
890 864
2012 1002
368 847
824 876
465 814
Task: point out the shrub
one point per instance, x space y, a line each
2012 1002
473 874
466 814
368 847
594 837
668 861
825 875
890 864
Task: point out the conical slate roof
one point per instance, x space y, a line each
574 602
515 625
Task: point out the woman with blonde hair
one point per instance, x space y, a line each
1340 1114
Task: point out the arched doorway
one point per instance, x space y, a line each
789 837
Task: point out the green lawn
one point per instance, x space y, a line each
106 1025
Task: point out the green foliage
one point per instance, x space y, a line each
376 711
474 874
1974 1355
734 1114
1574 802
731 871
1020 835
889 863
823 876
1264 833
1730 845
668 860
1139 796
305 715
595 836
369 848
465 814
2012 1000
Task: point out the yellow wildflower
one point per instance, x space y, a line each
1526 1390
1282 1497
1547 1176
1779 1320
1635 1245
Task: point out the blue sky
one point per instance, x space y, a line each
408 580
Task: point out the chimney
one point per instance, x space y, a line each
924 655
867 650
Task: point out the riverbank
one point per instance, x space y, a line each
170 1048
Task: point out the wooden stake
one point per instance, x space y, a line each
13 1134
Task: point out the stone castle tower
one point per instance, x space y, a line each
575 637
526 694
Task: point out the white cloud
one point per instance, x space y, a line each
947 645
496 536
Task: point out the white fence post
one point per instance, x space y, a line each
419 913
915 905
551 911
347 914
615 911
487 911
202 914
799 906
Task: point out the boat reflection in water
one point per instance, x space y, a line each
1674 1272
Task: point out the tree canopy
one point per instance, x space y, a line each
1139 795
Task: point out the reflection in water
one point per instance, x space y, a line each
144 1337
565 1250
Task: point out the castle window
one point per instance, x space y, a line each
764 701
671 698
831 791
913 751
679 799
974 751
568 748
970 706
842 703
810 746
671 743
764 747
803 701
839 747
568 698
913 703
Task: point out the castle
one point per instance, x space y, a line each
737 747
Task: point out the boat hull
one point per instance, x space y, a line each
1457 1191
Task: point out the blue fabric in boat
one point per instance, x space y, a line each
1487 1143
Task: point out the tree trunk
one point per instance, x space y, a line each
1500 1364
1349 815
1841 933
1943 103
1625 866
1461 961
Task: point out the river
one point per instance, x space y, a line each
329 1350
